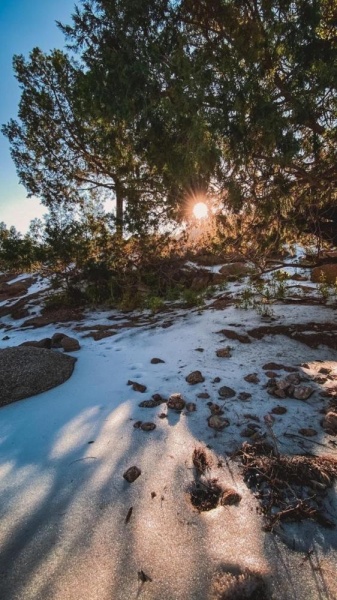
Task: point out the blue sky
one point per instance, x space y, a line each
24 24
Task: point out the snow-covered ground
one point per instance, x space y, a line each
63 499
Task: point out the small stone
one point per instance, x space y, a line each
248 432
191 407
132 474
57 338
217 422
224 352
150 403
176 402
279 393
162 416
324 371
215 408
153 495
244 396
252 378
148 426
226 392
330 422
69 344
199 349
137 387
156 361
307 432
279 410
195 377
271 374
216 380
203 395
230 497
6 338
294 378
303 392
137 424
252 417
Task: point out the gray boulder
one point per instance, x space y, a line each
26 371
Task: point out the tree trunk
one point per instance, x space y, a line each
119 208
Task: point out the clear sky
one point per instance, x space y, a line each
24 24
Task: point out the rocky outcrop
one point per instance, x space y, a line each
26 371
326 273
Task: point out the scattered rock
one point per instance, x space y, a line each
156 361
137 387
279 410
203 395
69 344
26 371
195 377
252 378
150 403
230 497
293 378
6 337
308 432
272 366
148 426
132 474
216 380
199 349
137 424
176 402
330 422
224 352
215 409
250 430
191 407
226 392
217 422
162 416
303 392
57 338
252 417
271 374
244 396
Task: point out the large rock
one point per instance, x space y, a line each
237 269
326 273
26 371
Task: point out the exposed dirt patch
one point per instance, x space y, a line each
61 315
233 335
311 334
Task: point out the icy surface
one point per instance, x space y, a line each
63 500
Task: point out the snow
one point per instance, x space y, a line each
64 500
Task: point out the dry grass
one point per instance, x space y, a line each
289 488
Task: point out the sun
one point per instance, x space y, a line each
200 210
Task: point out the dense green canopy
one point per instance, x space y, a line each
158 99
